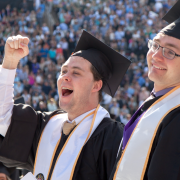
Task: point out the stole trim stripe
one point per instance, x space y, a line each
160 99
38 148
55 149
69 138
152 140
94 117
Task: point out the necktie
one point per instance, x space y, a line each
149 102
67 127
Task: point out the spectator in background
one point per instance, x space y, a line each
42 107
45 29
52 105
120 117
132 104
52 54
126 119
27 97
44 51
115 110
143 95
125 110
18 89
1 47
36 89
64 46
46 88
23 75
39 77
36 98
34 103
25 5
31 78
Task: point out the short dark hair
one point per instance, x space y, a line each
97 77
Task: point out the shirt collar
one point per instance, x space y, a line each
79 118
161 93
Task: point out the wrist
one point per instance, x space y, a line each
9 64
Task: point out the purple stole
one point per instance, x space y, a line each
128 129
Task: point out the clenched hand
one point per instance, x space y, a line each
16 47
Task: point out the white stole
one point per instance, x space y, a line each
133 162
68 157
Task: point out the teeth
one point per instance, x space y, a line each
158 67
66 88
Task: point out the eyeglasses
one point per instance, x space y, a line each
168 53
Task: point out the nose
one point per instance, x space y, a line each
66 77
158 54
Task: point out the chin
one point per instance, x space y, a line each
152 76
66 106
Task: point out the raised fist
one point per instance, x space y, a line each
16 47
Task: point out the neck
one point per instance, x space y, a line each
159 88
73 115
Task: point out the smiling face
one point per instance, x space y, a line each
162 71
78 92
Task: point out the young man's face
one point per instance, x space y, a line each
164 72
75 85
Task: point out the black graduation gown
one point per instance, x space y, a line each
96 160
164 159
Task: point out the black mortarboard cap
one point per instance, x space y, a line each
110 64
173 17
5 170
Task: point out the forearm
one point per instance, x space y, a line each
6 98
9 64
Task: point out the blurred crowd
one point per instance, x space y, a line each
124 25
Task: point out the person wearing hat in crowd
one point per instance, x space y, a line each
151 141
8 173
4 173
80 144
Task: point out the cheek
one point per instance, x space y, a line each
83 86
174 68
59 81
149 57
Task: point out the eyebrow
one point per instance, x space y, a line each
74 67
169 44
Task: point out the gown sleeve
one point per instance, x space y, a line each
99 154
111 139
18 147
6 98
164 161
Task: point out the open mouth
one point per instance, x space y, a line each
66 91
158 67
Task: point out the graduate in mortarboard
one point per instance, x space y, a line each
150 149
80 141
8 173
4 172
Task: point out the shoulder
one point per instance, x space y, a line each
27 113
109 127
169 128
24 111
172 117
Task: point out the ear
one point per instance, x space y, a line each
97 86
